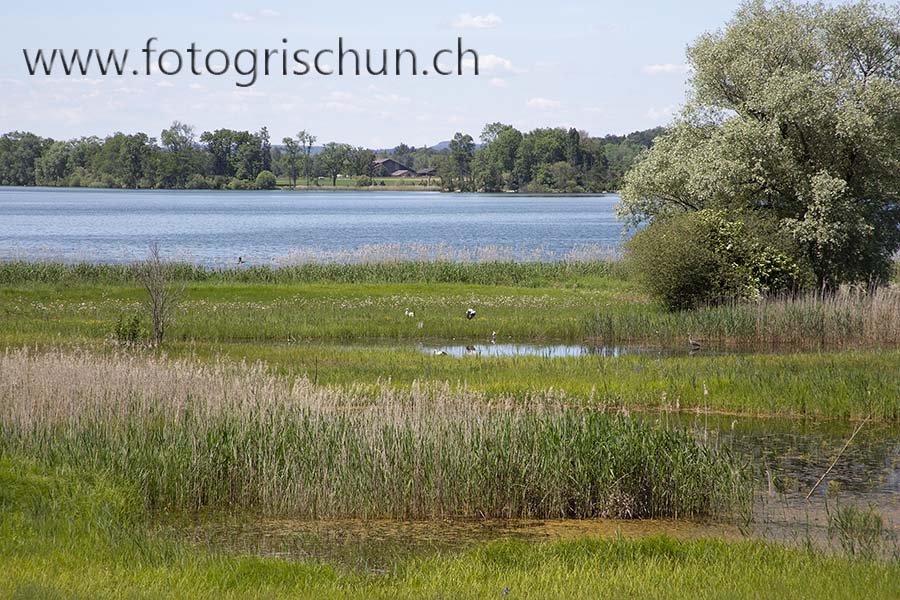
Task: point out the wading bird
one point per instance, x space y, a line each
695 345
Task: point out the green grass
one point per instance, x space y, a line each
67 533
225 437
839 385
346 324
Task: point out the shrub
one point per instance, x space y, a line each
128 329
365 181
266 180
239 184
197 182
704 257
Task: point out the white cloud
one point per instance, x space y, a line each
543 103
391 99
469 21
492 62
497 82
165 84
666 69
247 18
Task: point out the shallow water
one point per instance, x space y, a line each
789 456
214 228
499 350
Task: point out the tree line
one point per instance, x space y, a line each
783 169
543 160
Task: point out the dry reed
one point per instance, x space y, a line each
233 436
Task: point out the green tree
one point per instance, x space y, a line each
18 153
54 166
496 159
266 180
334 159
180 159
462 151
793 116
306 141
290 160
361 161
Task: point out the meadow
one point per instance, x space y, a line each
312 392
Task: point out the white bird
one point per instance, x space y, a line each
694 343
409 313
440 353
470 314
494 337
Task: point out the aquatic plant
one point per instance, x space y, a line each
221 435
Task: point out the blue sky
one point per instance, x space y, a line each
605 67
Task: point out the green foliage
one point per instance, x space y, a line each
198 182
334 160
240 184
365 181
129 329
793 114
70 533
859 531
266 181
703 257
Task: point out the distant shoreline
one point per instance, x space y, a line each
329 189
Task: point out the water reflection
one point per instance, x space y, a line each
548 351
788 456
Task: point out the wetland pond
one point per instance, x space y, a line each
788 455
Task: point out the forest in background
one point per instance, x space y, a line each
504 159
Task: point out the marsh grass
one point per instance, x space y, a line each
380 267
849 317
69 533
191 436
859 531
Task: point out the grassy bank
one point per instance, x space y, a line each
840 385
571 302
68 533
349 324
190 437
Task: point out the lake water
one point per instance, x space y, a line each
215 227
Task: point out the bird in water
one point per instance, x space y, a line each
695 345
470 314
440 353
240 260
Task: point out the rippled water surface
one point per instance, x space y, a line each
216 227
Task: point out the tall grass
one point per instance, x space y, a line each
850 317
192 436
494 272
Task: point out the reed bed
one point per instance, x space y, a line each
495 272
233 436
851 317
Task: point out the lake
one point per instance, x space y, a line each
214 228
